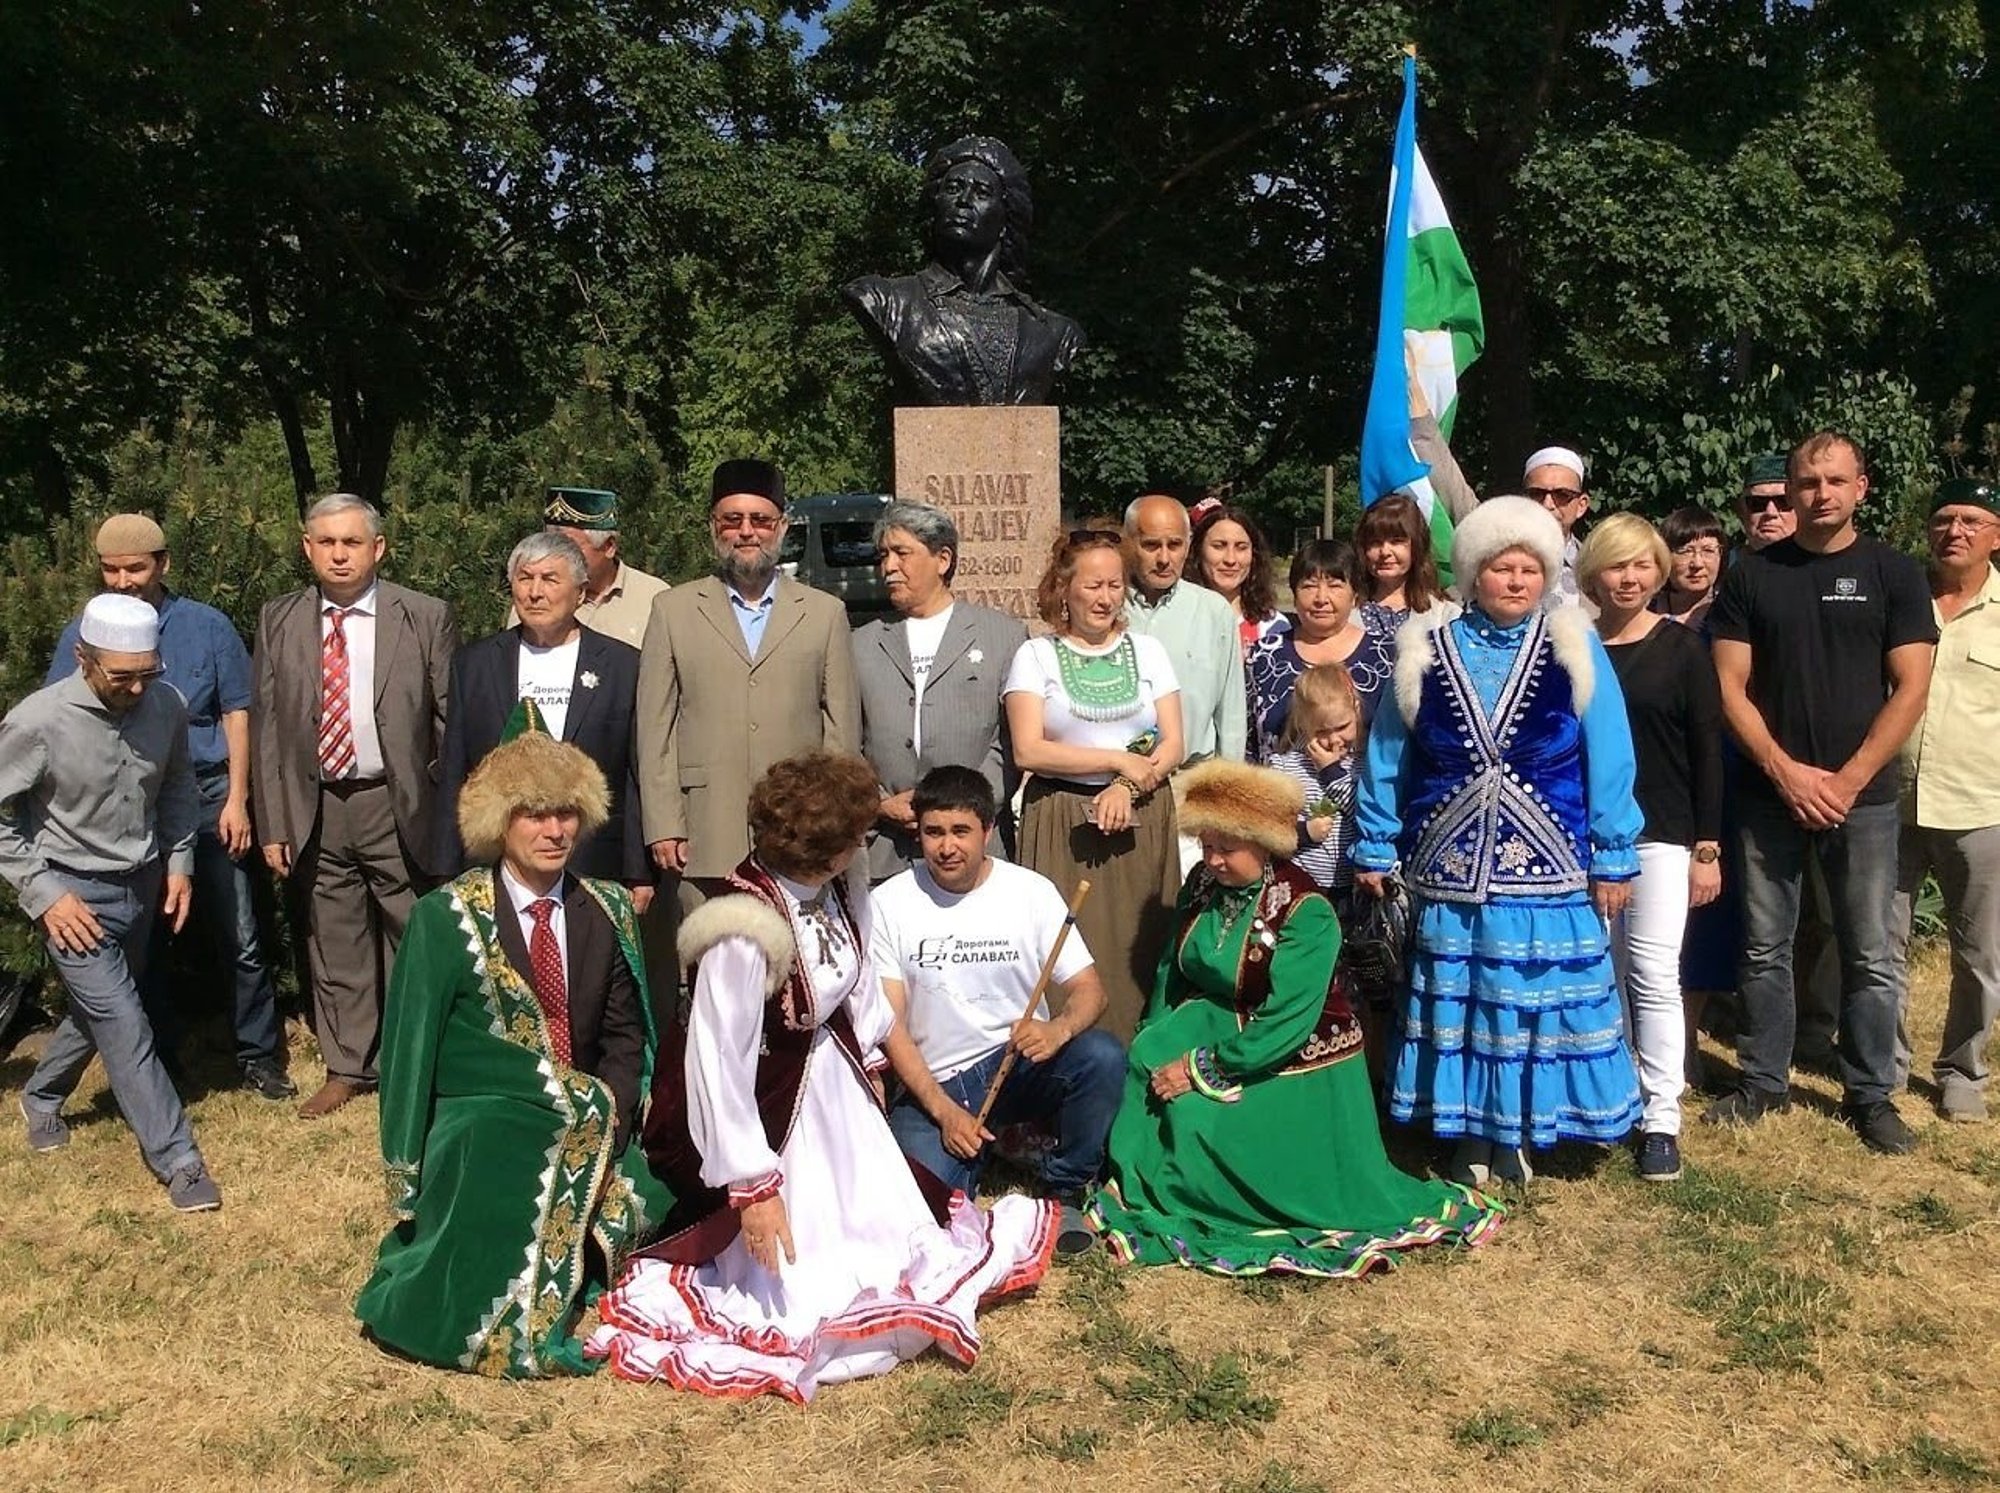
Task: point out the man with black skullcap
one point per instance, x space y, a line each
739 670
1951 793
1764 507
203 658
97 831
617 598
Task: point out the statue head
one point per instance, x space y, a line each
974 195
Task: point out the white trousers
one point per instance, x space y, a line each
1646 952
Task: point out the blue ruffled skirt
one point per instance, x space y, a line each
1511 1030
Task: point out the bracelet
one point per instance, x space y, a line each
1121 781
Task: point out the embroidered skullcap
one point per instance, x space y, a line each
1225 797
594 509
1502 524
120 624
746 474
1555 456
130 534
1764 470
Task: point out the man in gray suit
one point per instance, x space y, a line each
352 678
930 680
740 670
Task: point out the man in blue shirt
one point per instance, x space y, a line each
205 660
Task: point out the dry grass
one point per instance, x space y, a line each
1795 1314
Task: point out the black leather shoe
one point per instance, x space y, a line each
1881 1129
262 1076
1746 1107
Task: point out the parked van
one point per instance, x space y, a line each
831 544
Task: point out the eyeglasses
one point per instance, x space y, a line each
763 523
1758 502
122 678
1557 495
1706 549
1960 524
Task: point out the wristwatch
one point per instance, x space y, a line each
1706 855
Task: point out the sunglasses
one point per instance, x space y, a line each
763 523
1558 495
1084 538
121 678
1756 503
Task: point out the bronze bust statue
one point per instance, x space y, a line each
960 330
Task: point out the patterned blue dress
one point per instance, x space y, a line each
1505 796
1273 669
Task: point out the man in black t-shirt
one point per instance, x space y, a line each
1823 646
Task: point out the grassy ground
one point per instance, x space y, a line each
1794 1314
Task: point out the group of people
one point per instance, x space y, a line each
1163 907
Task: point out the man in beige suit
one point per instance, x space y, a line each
352 678
740 669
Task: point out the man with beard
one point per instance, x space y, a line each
96 791
740 670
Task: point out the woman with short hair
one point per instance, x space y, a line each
1674 705
1696 545
803 1248
1094 712
1326 585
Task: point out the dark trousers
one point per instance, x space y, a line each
359 888
226 913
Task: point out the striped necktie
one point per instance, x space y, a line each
336 727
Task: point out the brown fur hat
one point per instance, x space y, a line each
1257 804
533 771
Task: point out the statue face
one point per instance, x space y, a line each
968 207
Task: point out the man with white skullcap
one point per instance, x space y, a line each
95 792
202 656
1554 477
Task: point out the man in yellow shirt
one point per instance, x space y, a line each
1951 792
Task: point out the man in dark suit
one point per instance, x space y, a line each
929 680
352 676
584 686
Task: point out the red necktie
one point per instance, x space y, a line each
336 729
551 990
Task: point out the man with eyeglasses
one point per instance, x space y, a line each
1823 646
1554 478
204 659
1951 792
96 791
739 671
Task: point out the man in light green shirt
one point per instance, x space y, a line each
1194 624
1951 794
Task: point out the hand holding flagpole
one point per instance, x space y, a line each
1034 999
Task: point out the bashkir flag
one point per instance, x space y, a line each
1429 306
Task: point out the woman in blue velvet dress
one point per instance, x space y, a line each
1501 786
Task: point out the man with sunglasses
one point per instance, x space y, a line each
1554 478
1951 792
1823 646
740 670
1764 507
95 792
203 658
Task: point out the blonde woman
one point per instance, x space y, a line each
1675 707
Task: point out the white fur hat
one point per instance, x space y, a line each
1503 524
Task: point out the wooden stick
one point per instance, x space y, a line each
1034 1000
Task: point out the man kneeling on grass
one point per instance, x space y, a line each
959 943
517 1049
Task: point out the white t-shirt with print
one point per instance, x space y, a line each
546 676
968 963
923 635
1036 671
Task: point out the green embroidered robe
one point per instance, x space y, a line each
500 1161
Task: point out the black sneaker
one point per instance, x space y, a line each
262 1076
1659 1157
1880 1127
1746 1107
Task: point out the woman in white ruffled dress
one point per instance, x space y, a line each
803 1249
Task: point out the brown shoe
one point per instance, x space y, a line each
332 1095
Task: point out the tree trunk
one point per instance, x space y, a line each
278 388
50 474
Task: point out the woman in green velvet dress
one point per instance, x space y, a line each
1247 1141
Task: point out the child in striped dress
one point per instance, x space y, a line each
1317 749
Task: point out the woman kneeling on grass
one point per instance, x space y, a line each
1247 1140
804 1248
1501 783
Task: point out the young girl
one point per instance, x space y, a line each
1317 750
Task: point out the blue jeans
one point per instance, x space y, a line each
106 1019
1076 1092
1858 862
223 905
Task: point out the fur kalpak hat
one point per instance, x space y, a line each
1258 804
533 771
1503 524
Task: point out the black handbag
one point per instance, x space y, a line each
1376 951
